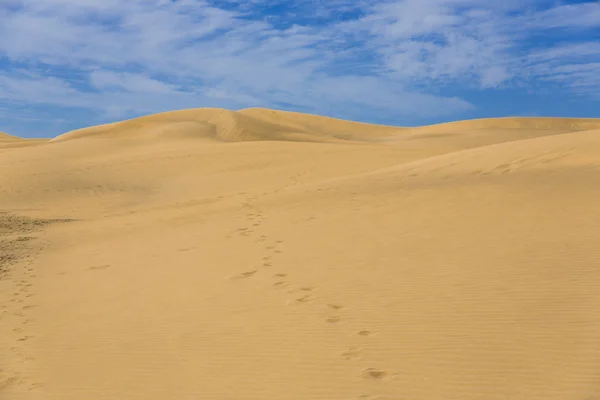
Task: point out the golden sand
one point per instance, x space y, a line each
260 254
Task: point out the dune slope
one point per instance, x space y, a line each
8 141
285 256
259 124
212 124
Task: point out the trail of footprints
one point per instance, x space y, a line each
17 321
333 313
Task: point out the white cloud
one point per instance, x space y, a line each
582 15
576 66
139 83
478 43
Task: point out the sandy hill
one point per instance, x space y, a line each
228 126
264 254
531 123
8 141
259 124
5 137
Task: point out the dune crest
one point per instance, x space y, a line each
261 124
9 141
211 124
538 123
6 137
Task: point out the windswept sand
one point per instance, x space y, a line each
260 254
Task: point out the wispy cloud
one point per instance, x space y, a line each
371 60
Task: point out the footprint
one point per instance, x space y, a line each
307 289
365 333
98 267
279 283
305 299
333 320
374 373
335 306
247 274
353 353
280 275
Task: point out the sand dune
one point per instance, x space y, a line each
8 141
261 254
533 123
258 124
218 125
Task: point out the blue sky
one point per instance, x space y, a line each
66 64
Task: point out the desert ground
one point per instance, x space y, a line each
268 255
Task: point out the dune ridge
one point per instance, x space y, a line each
211 124
262 124
9 141
265 124
5 137
569 149
262 254
553 123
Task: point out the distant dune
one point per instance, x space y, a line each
262 254
9 141
231 126
5 137
258 124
